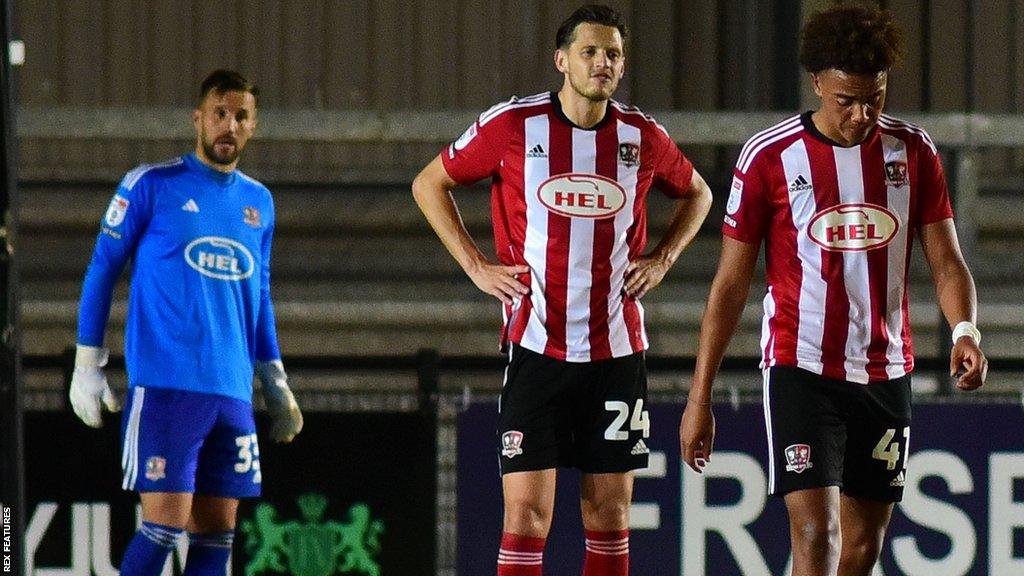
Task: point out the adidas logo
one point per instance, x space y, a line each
799 184
190 206
537 152
899 481
639 448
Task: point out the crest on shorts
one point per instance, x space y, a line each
251 216
896 173
511 443
156 468
798 458
629 153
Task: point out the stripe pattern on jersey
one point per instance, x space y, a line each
130 451
850 319
575 310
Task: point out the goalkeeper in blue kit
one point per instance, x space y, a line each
200 321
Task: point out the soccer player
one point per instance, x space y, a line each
199 319
837 195
571 172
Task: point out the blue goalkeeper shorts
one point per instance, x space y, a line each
181 441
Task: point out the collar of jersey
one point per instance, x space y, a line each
218 177
808 123
557 105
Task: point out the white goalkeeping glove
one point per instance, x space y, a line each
285 417
89 385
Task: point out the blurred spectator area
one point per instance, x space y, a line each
358 95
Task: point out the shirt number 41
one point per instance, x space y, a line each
888 450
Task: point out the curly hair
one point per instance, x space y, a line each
853 39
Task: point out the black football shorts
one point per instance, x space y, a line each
589 416
827 432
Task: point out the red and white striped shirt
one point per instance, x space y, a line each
838 224
570 203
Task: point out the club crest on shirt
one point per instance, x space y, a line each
116 211
156 467
251 216
511 443
629 153
896 173
798 458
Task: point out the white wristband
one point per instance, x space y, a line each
966 328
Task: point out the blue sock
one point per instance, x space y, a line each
208 553
149 549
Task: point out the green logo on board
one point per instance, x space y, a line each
312 546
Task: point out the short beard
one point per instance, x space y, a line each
211 153
596 95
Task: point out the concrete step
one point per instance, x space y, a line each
421 257
374 328
359 209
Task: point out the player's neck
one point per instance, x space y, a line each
581 111
225 168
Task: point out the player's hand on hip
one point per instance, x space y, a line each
644 274
967 363
697 435
500 281
285 416
89 388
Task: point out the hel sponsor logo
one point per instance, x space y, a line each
735 195
116 211
895 173
220 258
511 443
853 227
798 458
582 195
156 467
629 154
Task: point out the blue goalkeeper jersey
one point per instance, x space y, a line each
199 307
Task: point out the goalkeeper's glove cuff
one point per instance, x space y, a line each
90 356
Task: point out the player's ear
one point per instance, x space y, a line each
816 84
560 61
197 116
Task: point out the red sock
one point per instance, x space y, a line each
607 553
520 555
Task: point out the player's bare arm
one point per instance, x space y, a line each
646 272
725 305
432 190
954 287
